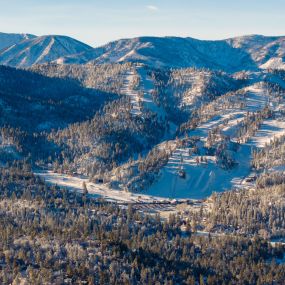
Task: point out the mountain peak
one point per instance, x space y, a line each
41 49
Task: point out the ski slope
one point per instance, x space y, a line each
269 129
140 97
133 94
204 178
147 88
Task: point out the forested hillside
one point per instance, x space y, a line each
144 161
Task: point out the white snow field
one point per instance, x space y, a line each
97 190
202 178
133 94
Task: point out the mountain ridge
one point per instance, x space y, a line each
249 52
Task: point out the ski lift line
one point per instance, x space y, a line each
179 173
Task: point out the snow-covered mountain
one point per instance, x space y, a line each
251 52
173 52
235 54
267 52
41 50
7 40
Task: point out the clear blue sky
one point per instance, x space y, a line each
99 21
